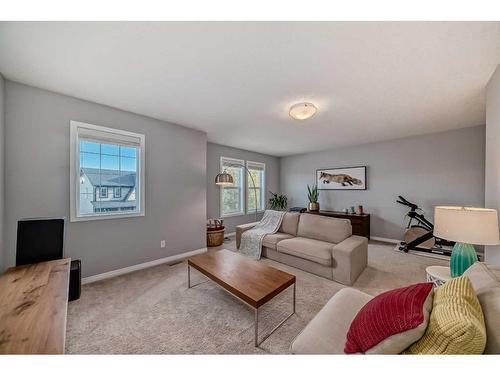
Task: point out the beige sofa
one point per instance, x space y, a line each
326 333
321 245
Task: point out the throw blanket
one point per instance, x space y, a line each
251 240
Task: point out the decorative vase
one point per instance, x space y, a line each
313 206
462 257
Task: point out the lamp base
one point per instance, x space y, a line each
463 256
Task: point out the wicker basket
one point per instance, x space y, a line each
215 237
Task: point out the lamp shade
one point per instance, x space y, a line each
223 179
468 225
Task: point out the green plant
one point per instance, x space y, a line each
278 202
313 193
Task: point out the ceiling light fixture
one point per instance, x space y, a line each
302 111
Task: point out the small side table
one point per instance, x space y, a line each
438 274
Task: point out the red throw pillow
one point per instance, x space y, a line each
392 321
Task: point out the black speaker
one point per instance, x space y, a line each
39 240
75 280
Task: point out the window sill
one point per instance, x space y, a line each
241 214
232 215
106 217
253 212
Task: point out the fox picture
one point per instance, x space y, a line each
342 179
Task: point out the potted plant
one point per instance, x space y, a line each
278 202
313 195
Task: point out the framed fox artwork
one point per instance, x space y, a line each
348 178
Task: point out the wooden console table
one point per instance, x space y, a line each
360 223
33 307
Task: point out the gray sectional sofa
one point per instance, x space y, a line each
326 333
317 244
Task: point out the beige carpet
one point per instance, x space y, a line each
152 311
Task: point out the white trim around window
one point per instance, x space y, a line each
236 163
110 137
255 165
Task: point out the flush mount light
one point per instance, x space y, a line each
302 111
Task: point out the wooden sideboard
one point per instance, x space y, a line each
33 306
360 223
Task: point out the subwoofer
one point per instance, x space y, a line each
75 280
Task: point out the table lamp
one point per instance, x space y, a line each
466 226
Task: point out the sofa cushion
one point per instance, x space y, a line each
326 332
485 280
391 321
482 276
456 325
324 228
290 223
306 248
270 240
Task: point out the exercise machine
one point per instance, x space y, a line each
419 233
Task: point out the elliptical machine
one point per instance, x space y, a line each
420 236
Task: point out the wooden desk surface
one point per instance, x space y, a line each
33 307
254 282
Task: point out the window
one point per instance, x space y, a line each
232 200
103 192
107 172
257 174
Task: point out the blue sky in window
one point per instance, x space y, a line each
107 156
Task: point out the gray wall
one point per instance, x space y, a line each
2 169
492 185
442 168
37 181
214 153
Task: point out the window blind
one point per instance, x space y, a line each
256 166
232 163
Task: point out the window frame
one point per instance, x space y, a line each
119 195
119 136
242 188
101 189
262 187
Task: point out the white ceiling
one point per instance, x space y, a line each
370 80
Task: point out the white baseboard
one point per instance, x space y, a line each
382 239
136 267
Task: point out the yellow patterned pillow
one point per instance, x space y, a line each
456 324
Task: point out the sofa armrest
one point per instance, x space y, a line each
326 332
240 229
350 258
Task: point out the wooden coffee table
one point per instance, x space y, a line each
251 281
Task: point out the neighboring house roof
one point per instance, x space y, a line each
109 177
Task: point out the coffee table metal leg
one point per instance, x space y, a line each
256 327
189 277
257 343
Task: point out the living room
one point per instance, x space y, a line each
249 187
